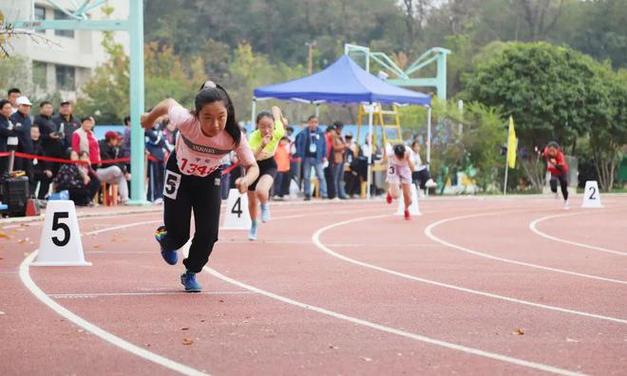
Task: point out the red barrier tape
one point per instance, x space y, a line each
107 161
67 161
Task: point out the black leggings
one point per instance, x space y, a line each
563 184
181 194
420 178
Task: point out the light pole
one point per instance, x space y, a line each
310 47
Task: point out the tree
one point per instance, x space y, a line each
553 93
608 137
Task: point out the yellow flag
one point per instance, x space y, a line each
512 144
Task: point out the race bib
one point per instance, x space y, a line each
172 183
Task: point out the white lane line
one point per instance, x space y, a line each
429 233
96 330
533 226
398 332
88 295
316 240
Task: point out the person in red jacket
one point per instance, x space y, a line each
557 166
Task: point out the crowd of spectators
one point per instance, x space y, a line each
83 163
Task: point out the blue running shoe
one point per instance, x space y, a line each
265 213
252 233
170 257
188 279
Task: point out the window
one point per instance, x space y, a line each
40 75
66 77
40 14
59 15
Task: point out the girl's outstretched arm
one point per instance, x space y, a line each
149 118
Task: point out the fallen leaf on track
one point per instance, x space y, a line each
4 235
187 341
184 328
366 359
519 332
333 347
571 340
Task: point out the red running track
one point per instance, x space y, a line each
474 286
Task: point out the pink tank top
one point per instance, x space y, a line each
200 155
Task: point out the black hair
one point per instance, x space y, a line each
399 151
42 104
127 120
553 144
87 118
414 143
289 129
311 118
211 92
338 125
262 115
14 90
3 102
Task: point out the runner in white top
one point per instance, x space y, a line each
192 179
400 166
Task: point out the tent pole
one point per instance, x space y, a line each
369 138
253 112
429 135
318 110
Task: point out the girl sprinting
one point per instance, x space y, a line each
192 177
557 166
400 166
264 142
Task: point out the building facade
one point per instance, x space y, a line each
69 61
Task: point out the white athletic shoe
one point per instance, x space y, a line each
566 205
431 184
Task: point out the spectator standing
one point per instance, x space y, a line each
328 169
42 171
337 161
6 131
66 123
51 140
282 158
23 122
12 96
155 147
84 140
351 176
311 148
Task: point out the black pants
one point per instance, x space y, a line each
182 193
563 181
420 178
83 196
155 180
282 184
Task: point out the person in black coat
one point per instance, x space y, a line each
51 140
66 123
22 122
156 146
42 172
6 130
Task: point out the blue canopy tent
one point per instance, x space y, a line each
345 82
